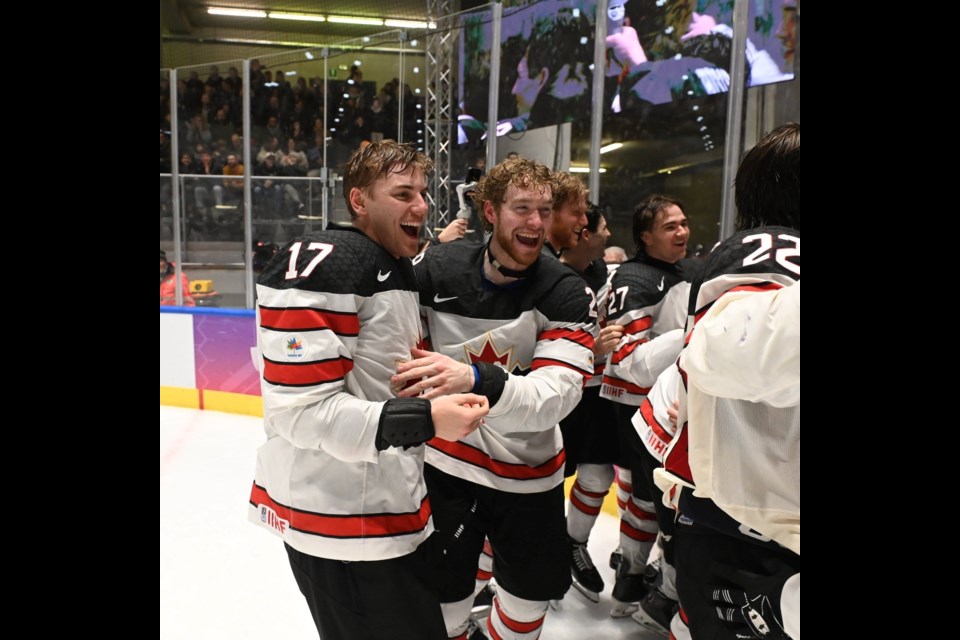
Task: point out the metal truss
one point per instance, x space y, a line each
439 121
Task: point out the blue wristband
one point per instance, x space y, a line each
476 379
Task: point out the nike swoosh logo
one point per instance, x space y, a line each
381 276
660 287
437 299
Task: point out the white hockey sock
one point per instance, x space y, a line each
514 618
586 498
456 616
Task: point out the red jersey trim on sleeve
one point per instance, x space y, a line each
509 470
302 374
304 319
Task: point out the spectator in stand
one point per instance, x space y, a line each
208 166
168 283
233 184
214 80
295 157
614 255
272 146
221 128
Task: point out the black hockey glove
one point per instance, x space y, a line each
490 382
749 605
404 422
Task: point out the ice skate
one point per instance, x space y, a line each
586 578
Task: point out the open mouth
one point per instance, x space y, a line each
529 241
412 229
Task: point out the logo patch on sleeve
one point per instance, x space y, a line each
293 346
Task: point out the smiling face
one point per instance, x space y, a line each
519 225
569 219
667 240
596 241
392 210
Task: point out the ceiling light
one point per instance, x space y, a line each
613 146
406 24
373 22
304 17
309 55
584 170
239 13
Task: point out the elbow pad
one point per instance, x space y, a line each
490 382
404 422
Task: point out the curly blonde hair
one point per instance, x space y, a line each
519 172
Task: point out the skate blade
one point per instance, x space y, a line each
640 617
592 596
623 609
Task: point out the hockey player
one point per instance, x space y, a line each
569 215
523 328
738 539
589 432
340 477
648 298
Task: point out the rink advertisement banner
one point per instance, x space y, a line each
224 346
207 359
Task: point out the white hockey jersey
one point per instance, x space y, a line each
648 298
335 314
540 330
749 433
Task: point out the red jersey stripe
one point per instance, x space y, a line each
638 325
579 336
306 374
627 386
646 410
368 526
550 362
306 319
508 470
626 350
677 460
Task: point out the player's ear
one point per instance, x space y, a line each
358 200
489 213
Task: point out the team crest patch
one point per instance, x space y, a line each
293 346
270 518
488 352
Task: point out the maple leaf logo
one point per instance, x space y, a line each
294 344
490 354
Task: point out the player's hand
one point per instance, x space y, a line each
627 48
700 25
453 231
608 339
431 375
457 415
672 413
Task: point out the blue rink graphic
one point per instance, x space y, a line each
222 577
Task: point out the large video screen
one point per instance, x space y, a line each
658 52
